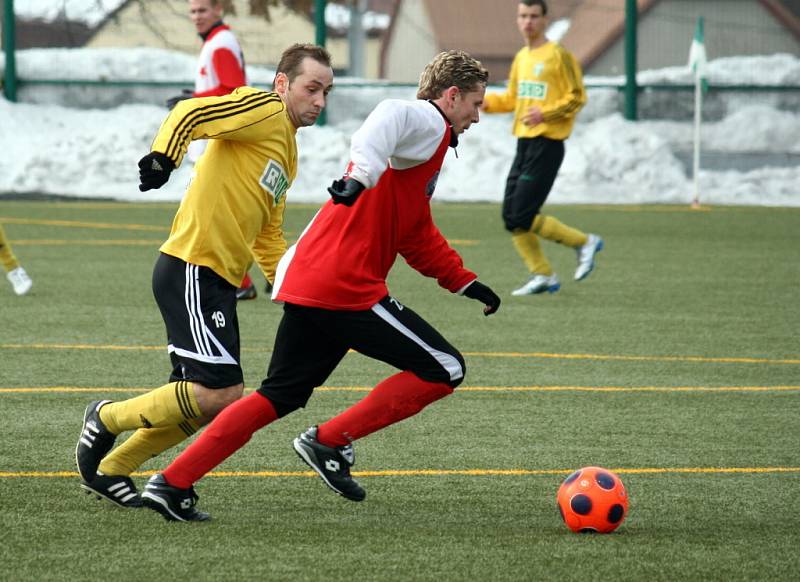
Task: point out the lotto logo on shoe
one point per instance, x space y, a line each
186 503
332 465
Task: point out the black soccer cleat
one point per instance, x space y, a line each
245 293
171 502
117 489
94 441
332 463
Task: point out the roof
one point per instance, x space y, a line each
488 31
595 25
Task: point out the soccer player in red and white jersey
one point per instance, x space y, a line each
333 286
220 70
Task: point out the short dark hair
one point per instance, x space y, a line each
292 59
541 3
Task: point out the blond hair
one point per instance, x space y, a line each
448 69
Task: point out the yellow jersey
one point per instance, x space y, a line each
233 208
549 78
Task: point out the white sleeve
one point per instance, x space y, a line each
405 132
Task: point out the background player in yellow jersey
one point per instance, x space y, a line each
15 274
232 211
545 92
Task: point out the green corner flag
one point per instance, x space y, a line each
697 55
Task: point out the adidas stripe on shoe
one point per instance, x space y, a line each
117 489
94 441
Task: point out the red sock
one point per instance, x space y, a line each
226 434
246 282
394 399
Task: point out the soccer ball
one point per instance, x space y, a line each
592 499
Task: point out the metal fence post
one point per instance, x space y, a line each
631 90
9 46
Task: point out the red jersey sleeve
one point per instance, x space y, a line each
426 250
229 73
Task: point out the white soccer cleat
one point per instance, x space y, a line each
20 280
586 255
539 284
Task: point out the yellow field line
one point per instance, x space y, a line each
75 242
442 472
81 224
544 355
711 389
142 242
699 359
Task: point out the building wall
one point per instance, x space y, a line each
412 44
166 24
732 28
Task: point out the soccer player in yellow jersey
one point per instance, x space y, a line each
545 92
232 211
15 274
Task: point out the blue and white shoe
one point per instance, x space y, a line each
538 284
586 255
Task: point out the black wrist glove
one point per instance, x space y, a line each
479 291
345 191
154 171
185 94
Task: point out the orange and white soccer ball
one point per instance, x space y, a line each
592 499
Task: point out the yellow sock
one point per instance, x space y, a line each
6 256
528 247
145 444
553 229
169 405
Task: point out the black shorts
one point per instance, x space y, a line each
530 179
199 310
311 342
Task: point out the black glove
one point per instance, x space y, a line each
185 94
345 191
154 171
479 291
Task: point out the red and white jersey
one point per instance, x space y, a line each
341 260
220 68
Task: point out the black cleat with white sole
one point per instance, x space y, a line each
94 441
331 463
117 489
172 503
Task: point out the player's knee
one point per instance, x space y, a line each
283 408
213 401
515 224
458 378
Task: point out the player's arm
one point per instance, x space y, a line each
229 72
574 95
427 251
506 101
270 244
247 114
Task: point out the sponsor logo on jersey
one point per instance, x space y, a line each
274 181
532 90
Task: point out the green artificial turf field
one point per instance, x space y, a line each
676 364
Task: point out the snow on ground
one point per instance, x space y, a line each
93 153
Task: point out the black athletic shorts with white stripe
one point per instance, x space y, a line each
199 310
311 342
